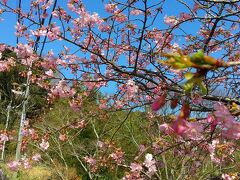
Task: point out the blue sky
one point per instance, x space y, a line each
171 7
7 32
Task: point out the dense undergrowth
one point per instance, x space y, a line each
65 159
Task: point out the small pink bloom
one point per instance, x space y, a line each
131 89
79 125
227 177
44 145
117 156
20 29
4 1
3 137
194 131
180 126
212 121
149 162
136 12
136 167
103 104
120 17
118 104
26 163
185 16
170 20
55 14
24 51
165 128
45 15
104 28
110 7
49 73
76 103
62 137
229 126
47 5
92 163
54 33
36 157
13 165
101 145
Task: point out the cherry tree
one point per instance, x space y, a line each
183 57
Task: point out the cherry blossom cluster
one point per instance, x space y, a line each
138 170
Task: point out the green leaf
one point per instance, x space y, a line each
189 85
198 57
203 88
188 75
179 65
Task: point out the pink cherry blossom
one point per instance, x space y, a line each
4 66
62 90
54 33
20 29
23 50
40 32
131 89
44 145
117 156
47 4
149 162
103 104
135 172
186 129
104 27
230 127
79 124
136 12
62 137
228 177
166 128
194 131
120 17
36 157
26 164
4 1
49 73
135 167
180 126
2 47
92 162
118 104
170 20
110 7
212 121
3 137
184 16
13 165
55 14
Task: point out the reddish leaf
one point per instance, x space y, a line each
185 111
174 103
159 102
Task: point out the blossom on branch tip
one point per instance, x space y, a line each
230 128
170 20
